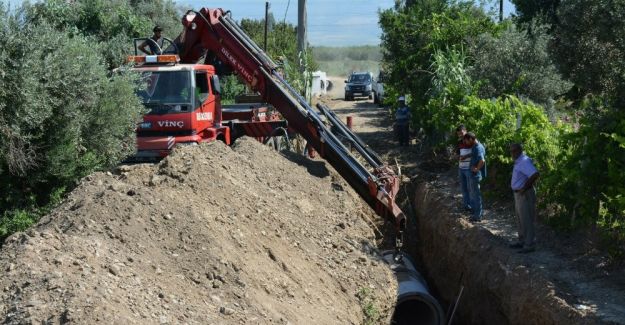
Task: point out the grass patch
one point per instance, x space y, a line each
369 309
16 220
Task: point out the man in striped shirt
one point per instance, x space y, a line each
464 172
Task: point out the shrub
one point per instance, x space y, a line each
62 115
14 221
589 185
501 122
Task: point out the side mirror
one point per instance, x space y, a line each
346 81
216 85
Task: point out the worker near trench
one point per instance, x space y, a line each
402 122
477 166
464 172
524 175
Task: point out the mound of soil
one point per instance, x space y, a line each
212 234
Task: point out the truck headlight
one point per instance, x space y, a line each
369 87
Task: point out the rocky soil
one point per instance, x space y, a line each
211 235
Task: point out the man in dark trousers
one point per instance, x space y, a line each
464 159
524 175
402 122
477 165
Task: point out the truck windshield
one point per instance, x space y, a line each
167 91
360 78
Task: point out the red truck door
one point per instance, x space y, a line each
204 116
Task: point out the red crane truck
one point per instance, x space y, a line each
183 98
184 108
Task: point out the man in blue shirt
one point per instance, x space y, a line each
478 172
402 122
524 175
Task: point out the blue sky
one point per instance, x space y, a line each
330 22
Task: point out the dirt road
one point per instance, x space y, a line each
371 122
564 281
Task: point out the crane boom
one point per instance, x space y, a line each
213 33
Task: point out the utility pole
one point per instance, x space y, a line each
301 26
500 10
266 23
301 44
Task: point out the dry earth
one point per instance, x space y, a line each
566 281
211 235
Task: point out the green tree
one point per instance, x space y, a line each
517 63
62 114
589 46
412 34
111 23
282 48
530 10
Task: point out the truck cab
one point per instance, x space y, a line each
182 104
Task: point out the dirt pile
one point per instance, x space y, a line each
212 234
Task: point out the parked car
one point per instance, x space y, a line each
378 89
359 84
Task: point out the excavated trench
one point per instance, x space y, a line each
453 253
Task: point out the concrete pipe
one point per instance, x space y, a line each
415 305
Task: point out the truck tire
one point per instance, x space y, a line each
376 99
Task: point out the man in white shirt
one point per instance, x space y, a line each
524 175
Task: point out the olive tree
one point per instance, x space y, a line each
516 63
63 114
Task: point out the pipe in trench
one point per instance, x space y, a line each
415 305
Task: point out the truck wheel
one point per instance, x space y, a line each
375 98
346 97
370 96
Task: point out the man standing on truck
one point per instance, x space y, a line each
402 122
155 43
